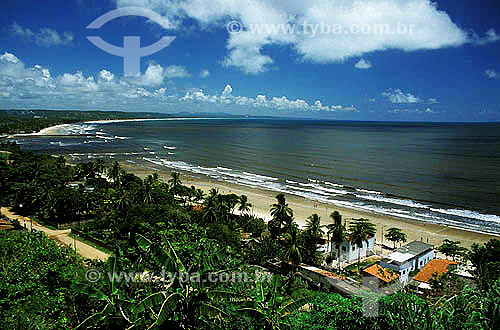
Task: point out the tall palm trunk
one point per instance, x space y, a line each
338 257
359 261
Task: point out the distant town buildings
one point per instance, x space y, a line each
410 257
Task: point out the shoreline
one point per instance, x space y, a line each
261 200
303 207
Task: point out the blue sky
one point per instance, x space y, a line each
448 69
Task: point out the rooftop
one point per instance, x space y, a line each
321 272
439 266
415 248
382 273
399 257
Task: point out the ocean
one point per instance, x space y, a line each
434 172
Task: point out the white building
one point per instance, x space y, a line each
410 257
349 251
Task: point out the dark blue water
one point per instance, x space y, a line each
441 173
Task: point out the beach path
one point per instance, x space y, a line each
61 236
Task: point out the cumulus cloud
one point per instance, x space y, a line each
176 71
227 92
155 74
492 74
21 86
106 75
398 96
44 37
363 64
205 74
27 87
262 101
427 111
433 27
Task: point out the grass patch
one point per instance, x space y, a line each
353 270
81 239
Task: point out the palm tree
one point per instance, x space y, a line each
123 202
338 232
311 238
147 185
281 212
210 211
244 204
359 232
198 195
100 166
313 226
329 229
115 173
213 193
291 247
175 182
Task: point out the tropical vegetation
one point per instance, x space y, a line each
158 227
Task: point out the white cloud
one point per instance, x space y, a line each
491 36
199 96
398 96
261 101
363 64
36 87
106 75
433 27
155 74
8 57
205 74
413 111
227 92
176 71
492 74
28 87
45 37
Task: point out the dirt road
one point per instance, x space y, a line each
61 236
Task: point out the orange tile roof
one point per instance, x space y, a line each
439 266
382 273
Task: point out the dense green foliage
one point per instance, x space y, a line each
39 285
395 235
157 227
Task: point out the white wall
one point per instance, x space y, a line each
351 250
424 260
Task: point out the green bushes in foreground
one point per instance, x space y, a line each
39 286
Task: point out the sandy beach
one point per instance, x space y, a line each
262 199
303 208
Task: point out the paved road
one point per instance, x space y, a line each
61 236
